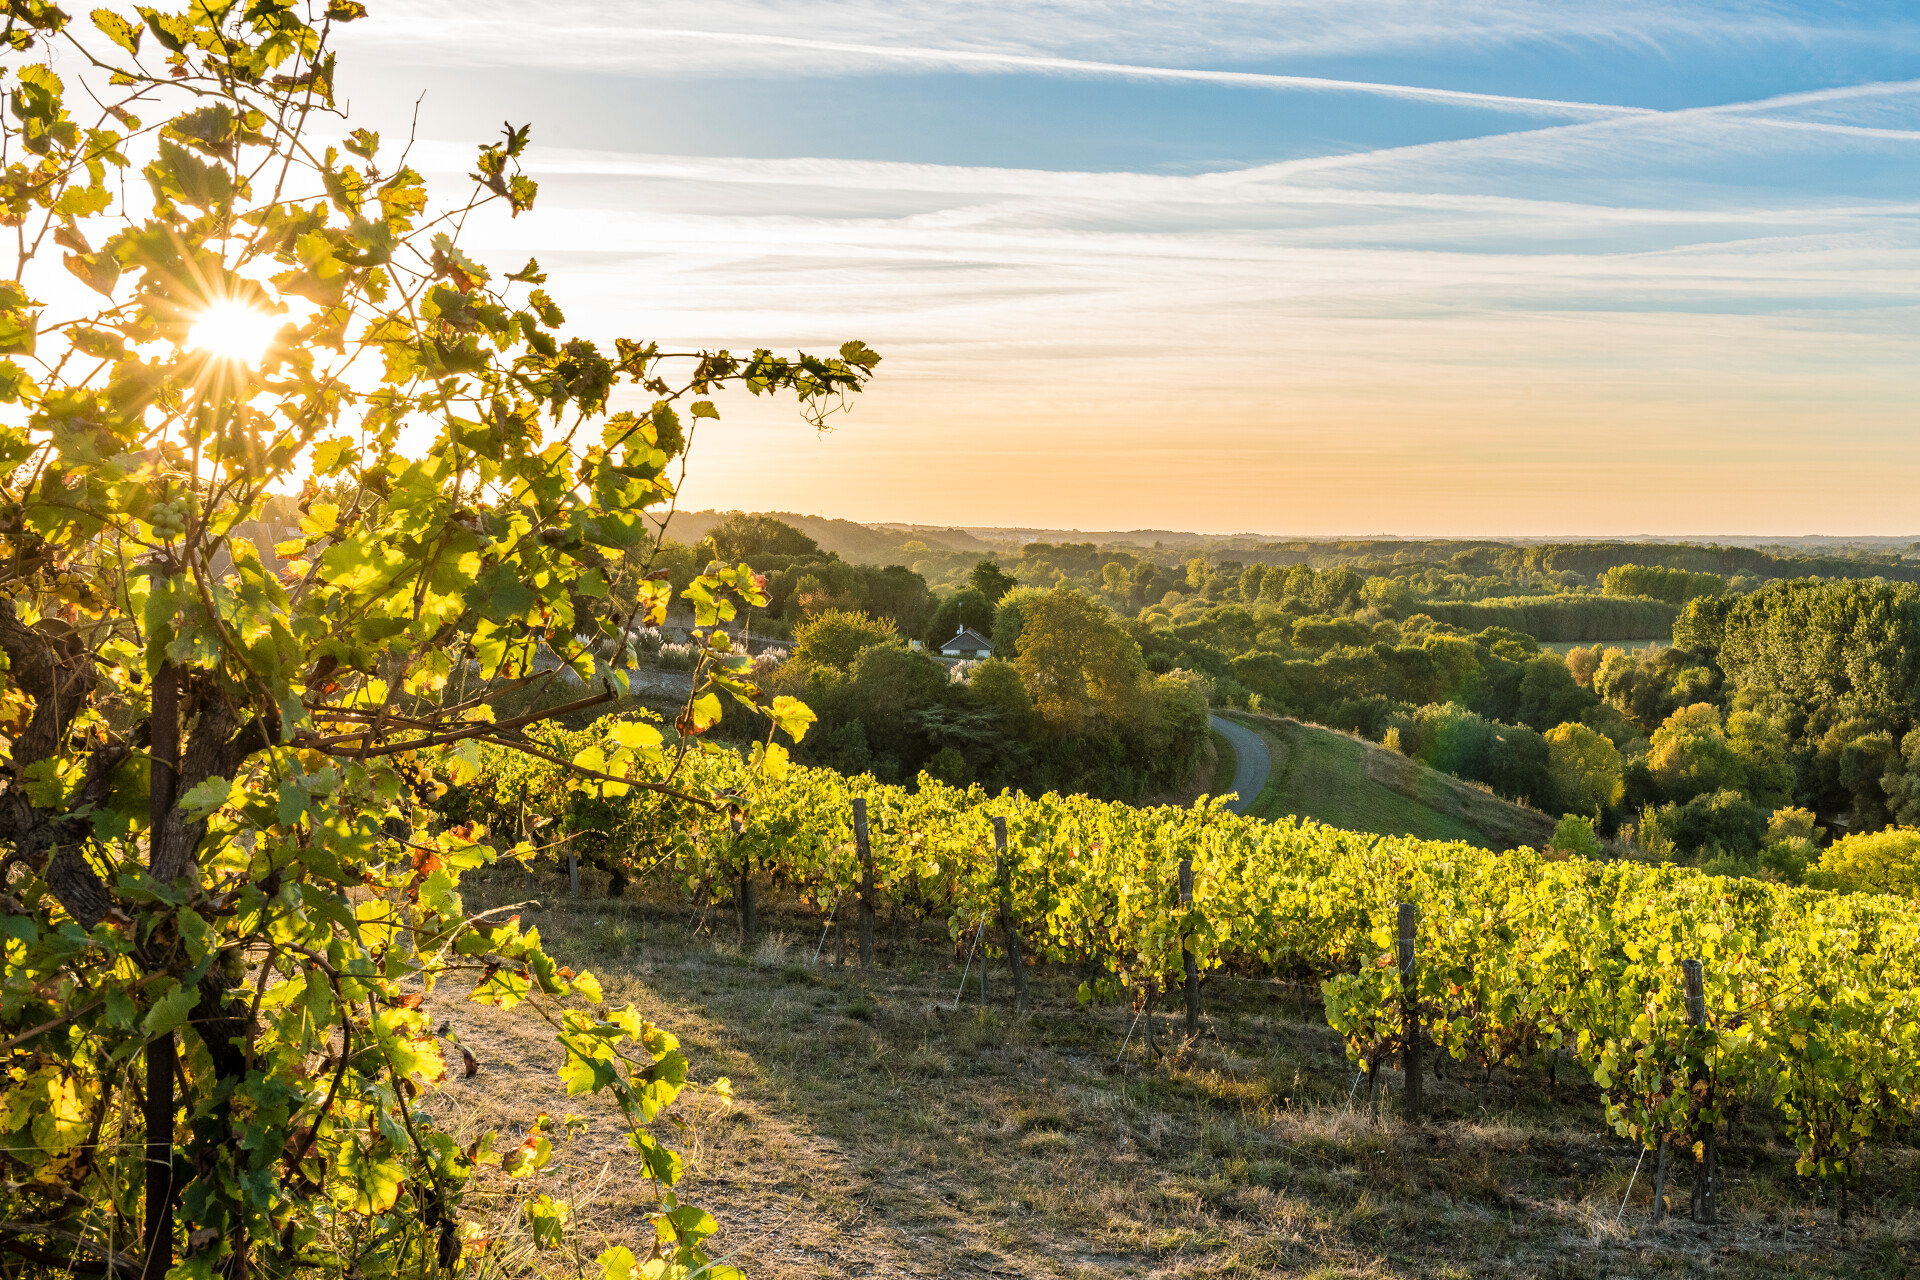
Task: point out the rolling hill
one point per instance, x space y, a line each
1348 782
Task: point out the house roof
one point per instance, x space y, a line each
967 638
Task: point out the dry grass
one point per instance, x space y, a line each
879 1131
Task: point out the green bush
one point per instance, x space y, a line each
1881 861
1575 837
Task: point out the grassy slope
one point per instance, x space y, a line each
1345 782
881 1133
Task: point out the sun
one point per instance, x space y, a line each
233 331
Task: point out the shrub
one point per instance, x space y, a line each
1881 861
837 638
1705 827
1576 838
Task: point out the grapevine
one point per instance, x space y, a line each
1811 996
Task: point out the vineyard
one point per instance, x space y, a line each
1806 1000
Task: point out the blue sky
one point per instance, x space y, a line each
1400 267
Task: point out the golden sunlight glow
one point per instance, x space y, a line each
233 331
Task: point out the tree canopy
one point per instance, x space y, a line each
838 637
745 537
222 732
1078 663
988 579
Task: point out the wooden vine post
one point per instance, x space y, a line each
1189 968
1693 980
1410 1004
1009 935
521 829
749 906
865 848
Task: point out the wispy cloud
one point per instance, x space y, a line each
969 59
1402 344
1585 317
1235 32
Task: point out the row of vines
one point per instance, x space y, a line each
1813 998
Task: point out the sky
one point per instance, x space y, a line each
1421 267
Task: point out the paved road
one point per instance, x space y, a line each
1253 765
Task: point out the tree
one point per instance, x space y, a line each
1149 583
838 637
1879 862
1657 582
1456 663
1319 633
1587 773
747 537
1009 616
1389 595
1582 664
1223 583
1793 844
1850 648
1549 695
1765 760
1691 756
826 587
1516 763
997 686
991 581
1454 740
214 847
949 766
889 682
1642 685
966 607
1863 763
1337 590
1702 624
899 593
1078 663
1902 782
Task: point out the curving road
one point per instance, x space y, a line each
1253 763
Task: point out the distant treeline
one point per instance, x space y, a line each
1595 558
1322 555
1561 617
1591 559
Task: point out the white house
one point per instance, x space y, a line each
967 643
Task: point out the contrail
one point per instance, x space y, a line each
1251 79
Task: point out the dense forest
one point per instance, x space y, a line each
1724 705
1557 593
